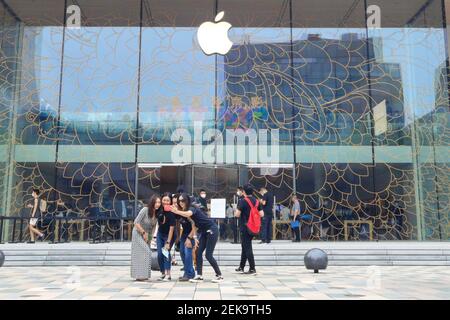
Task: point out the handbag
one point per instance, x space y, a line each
295 224
306 217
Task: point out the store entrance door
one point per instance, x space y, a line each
219 181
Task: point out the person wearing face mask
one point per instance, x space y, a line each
202 200
240 192
266 227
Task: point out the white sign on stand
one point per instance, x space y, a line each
218 208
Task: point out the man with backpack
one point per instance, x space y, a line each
249 211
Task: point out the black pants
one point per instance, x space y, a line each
247 250
296 233
208 242
235 230
266 232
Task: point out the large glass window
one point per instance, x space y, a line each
410 99
100 75
177 81
356 117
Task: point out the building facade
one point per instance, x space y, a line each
313 99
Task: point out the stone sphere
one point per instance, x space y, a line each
316 259
2 258
155 265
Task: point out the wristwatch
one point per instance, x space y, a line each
190 238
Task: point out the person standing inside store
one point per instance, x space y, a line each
36 214
203 201
208 234
295 216
243 213
267 203
144 226
165 236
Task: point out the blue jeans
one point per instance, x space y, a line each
164 263
186 256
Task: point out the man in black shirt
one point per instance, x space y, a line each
243 213
266 225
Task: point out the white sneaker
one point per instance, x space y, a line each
217 279
196 279
162 277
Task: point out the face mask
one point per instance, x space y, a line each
239 193
203 196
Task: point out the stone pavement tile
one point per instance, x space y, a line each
373 297
179 297
291 298
281 290
97 297
109 290
184 288
207 296
231 297
261 297
71 296
124 298
285 294
290 282
315 296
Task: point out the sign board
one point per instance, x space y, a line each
218 208
380 118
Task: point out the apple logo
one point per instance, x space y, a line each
213 36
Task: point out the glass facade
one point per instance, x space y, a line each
95 116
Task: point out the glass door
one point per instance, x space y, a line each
218 182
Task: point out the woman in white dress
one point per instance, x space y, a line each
144 227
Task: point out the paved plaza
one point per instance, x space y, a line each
294 282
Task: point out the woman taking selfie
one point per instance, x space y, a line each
207 232
165 236
144 226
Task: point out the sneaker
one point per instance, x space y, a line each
250 272
239 270
217 279
183 279
162 277
196 279
167 279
